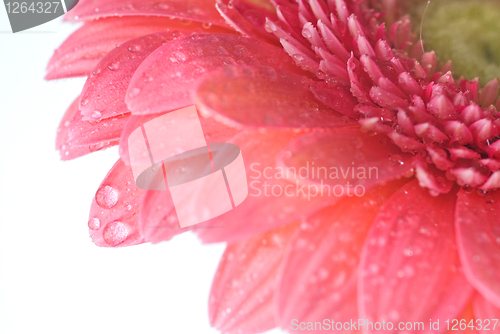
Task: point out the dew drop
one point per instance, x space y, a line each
180 56
222 51
298 57
206 25
134 48
321 75
408 252
114 66
96 114
106 197
270 27
241 50
161 5
115 233
134 92
94 224
85 102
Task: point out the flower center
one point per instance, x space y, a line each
465 31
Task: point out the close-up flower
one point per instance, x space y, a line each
392 212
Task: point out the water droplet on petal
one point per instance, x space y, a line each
298 57
161 5
134 92
114 66
115 233
221 50
134 48
206 25
94 224
270 27
96 114
106 197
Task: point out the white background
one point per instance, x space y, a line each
53 279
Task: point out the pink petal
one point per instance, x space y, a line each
299 53
386 98
104 92
247 18
429 133
267 205
202 11
430 177
459 132
170 80
62 130
64 145
360 81
330 154
468 176
81 51
486 315
483 130
83 133
319 277
337 97
410 271
406 144
439 158
241 298
113 218
463 153
471 114
478 237
489 93
493 182
492 164
158 219
215 132
243 96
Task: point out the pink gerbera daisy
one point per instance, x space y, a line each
336 87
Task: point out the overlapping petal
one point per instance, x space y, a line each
103 95
197 10
251 96
478 237
410 271
165 80
67 145
345 157
113 218
272 201
243 290
83 49
487 316
319 277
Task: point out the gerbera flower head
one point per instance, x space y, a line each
332 83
